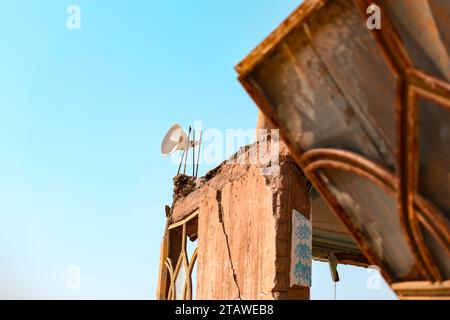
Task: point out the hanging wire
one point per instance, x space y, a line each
335 285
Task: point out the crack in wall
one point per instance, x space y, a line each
267 293
219 204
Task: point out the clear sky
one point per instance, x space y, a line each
82 115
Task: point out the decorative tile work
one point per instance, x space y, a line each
301 252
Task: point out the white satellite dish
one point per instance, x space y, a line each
175 139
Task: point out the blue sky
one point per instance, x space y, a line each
82 114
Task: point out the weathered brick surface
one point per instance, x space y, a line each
244 229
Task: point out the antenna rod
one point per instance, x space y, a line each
187 150
198 157
181 162
193 153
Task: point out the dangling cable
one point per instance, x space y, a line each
335 285
332 261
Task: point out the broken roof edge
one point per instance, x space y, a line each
251 155
247 157
300 15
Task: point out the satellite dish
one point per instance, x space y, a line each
175 139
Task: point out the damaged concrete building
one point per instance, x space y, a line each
362 172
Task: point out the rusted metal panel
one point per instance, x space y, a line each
295 94
372 106
434 153
355 63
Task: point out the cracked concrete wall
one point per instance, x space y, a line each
244 233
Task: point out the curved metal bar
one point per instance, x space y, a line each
192 261
354 163
435 222
438 91
377 172
187 279
423 249
334 205
409 189
349 168
189 274
348 161
424 85
184 221
408 180
171 291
